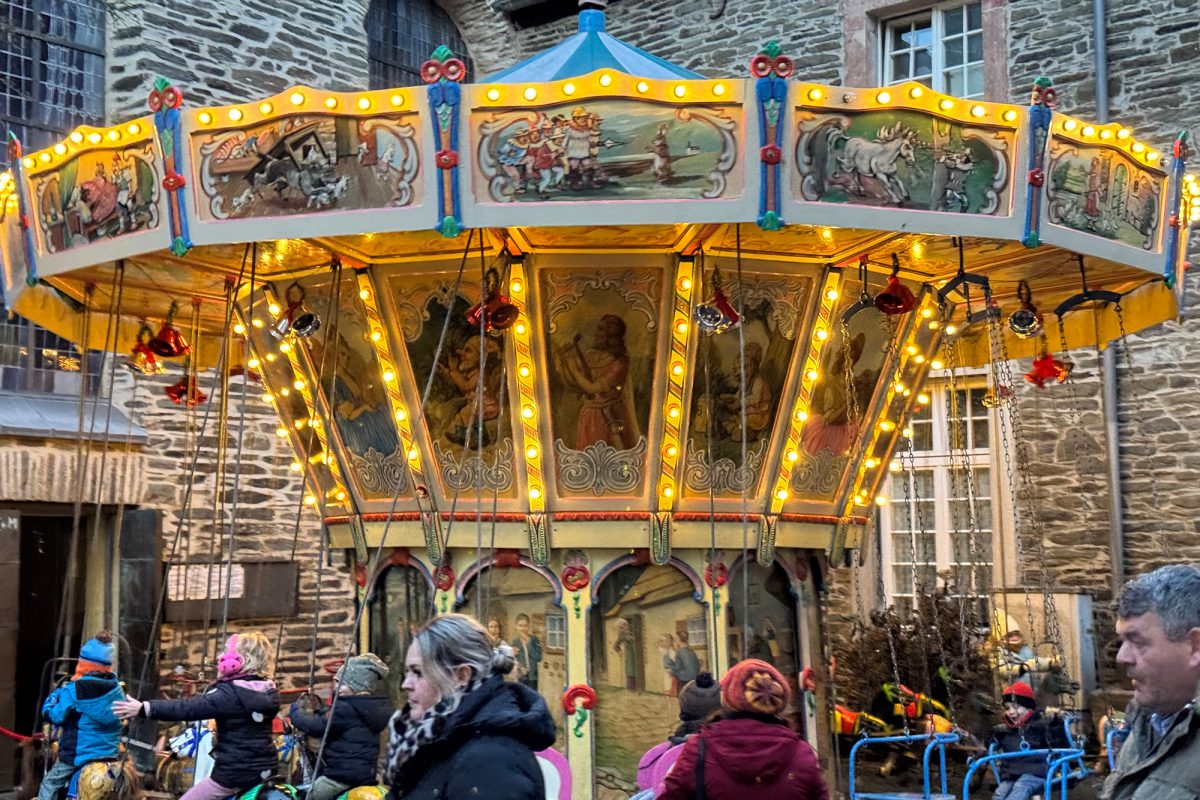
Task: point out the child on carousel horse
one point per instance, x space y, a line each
243 703
83 709
359 716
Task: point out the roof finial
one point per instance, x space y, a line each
591 15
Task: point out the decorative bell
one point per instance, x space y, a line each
298 318
142 359
1048 368
996 396
1026 322
186 391
496 311
718 314
896 298
169 343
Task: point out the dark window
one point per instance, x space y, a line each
402 34
33 359
51 68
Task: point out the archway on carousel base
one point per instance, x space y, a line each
648 636
399 603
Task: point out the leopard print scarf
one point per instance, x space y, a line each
407 735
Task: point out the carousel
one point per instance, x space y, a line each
613 356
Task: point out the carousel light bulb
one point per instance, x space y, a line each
1138 147
60 149
672 451
899 386
946 104
413 454
920 359
793 456
530 93
951 330
235 114
1194 189
401 415
1124 133
871 463
309 500
886 425
534 493
397 100
331 102
643 87
299 424
1106 134
531 452
516 286
274 309
568 88
916 92
978 111
895 466
205 118
341 495
936 364
44 158
296 466
821 334
880 500
922 399
1010 115
859 500
284 392
364 294
28 162
606 80
284 347
253 363
299 384
281 432
815 94
296 98
376 335
521 328
677 369
239 329
1152 156
527 412
673 412
831 294
883 97
256 322
926 313
907 392
389 375
94 138
680 90
934 324
493 94
801 415
668 491
811 374
719 89
270 358
685 284
911 349
781 494
907 433
315 422
681 327
1070 125
1088 131
523 371
364 103
266 108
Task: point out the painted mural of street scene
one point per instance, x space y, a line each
101 194
307 163
606 149
902 159
1100 191
649 638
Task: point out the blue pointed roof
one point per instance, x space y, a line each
587 51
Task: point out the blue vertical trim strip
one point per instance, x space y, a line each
170 120
1174 234
454 96
781 96
1039 135
434 92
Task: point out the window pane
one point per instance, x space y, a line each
954 51
901 553
956 83
975 80
952 20
902 37
975 47
922 62
927 578
903 576
900 67
922 436
923 33
974 16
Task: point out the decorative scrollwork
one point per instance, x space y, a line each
637 287
819 475
723 475
494 472
727 128
379 474
600 468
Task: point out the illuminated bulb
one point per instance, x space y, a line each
397 100
239 329
256 322
978 111
681 327
951 330
673 412
821 334
340 495
1088 131
364 103
1152 156
281 432
270 358
493 94
531 452
1070 125
205 118
907 392
898 386
672 451
907 433
413 454
44 158
29 162
527 412
793 456
831 294
299 384
296 466
668 491
685 284
309 500
389 376
296 98
60 149
815 94
568 88
606 79
643 87
521 328
911 349
1138 147
299 424
535 493
936 364
530 93
802 415
881 500
946 104
1010 115
284 347
926 312
811 374
274 309
235 114
266 108
916 92
523 371
677 369
781 494
376 335
922 399
253 363
883 97
284 392
871 463
94 138
1106 134
886 426
719 89
934 324
1124 133
920 359
364 294
516 287
895 466
401 415
331 102
860 501
77 137
680 90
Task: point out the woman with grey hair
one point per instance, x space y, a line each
465 731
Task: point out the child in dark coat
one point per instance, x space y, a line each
243 703
359 716
1022 778
83 710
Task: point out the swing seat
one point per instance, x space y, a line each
934 742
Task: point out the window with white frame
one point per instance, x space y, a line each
939 520
941 47
556 631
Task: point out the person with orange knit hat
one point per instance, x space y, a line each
749 753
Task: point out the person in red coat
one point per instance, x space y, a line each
750 753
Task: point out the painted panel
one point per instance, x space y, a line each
773 306
903 159
304 163
99 195
762 617
466 461
399 603
612 149
1101 191
602 334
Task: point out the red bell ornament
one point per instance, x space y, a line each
186 391
1048 368
169 342
896 298
496 312
142 359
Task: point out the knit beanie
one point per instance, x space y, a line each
699 698
1021 694
362 673
755 686
98 650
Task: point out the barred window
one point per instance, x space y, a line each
401 36
33 359
51 68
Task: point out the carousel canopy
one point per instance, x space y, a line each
629 303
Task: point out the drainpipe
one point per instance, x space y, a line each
1109 391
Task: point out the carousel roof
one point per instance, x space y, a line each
589 50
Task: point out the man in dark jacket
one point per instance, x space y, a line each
359 716
1024 725
83 710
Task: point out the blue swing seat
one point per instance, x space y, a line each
933 742
1065 765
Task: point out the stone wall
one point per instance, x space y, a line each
220 51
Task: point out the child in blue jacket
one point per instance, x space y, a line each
83 710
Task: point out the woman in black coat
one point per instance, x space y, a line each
465 731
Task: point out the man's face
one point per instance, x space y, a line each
523 627
1164 673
